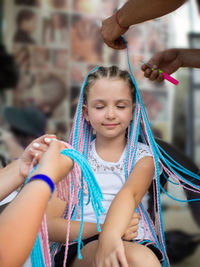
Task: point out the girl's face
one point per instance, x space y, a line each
109 107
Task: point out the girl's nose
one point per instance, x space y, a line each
110 113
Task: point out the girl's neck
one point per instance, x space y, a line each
110 149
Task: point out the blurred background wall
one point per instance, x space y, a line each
55 43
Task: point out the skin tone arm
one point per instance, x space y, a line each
134 12
10 179
15 174
19 226
110 246
57 225
170 61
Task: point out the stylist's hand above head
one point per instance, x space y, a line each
53 164
132 13
168 61
112 30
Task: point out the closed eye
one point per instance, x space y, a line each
121 107
99 107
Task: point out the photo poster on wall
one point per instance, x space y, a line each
55 44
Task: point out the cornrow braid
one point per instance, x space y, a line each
108 72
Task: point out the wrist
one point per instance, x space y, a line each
180 53
120 20
44 178
108 234
20 177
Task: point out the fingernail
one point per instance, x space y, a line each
36 145
47 140
36 154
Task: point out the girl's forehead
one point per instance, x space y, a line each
106 85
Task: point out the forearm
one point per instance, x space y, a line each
119 214
10 179
20 223
89 229
57 228
189 57
134 11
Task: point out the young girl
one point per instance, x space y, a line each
107 108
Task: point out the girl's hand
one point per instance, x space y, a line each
131 231
110 252
33 151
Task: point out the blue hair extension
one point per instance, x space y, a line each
37 258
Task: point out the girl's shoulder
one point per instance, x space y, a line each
142 151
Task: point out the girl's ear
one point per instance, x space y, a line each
85 112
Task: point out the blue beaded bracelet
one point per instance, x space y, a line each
44 178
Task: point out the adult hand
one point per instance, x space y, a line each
168 61
111 33
131 231
53 163
110 252
33 151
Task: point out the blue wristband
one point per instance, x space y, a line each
44 178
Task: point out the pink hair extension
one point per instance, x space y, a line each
45 242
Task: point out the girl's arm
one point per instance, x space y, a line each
120 213
57 224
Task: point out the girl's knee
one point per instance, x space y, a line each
140 256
